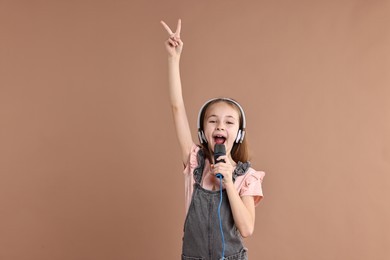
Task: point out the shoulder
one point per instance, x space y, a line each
255 173
251 179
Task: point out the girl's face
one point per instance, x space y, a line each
221 125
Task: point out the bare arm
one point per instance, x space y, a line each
174 46
243 208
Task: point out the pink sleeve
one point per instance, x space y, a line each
192 161
189 167
252 185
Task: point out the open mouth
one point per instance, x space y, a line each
219 139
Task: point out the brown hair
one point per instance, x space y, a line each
240 151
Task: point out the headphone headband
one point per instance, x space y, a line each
241 131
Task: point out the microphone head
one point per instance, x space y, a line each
219 149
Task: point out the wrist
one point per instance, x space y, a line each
228 183
174 58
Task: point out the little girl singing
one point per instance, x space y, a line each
221 189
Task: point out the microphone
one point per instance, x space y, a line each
219 150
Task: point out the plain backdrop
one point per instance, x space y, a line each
90 166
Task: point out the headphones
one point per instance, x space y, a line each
241 131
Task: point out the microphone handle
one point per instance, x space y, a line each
218 175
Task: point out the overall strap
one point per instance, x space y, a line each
241 169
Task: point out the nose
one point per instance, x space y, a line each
220 126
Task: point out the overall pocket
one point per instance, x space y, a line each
242 255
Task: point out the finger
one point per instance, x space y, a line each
216 170
179 42
172 42
222 157
178 28
167 28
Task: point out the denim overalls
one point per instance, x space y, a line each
202 237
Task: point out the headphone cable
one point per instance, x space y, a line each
219 217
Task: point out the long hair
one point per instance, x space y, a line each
240 151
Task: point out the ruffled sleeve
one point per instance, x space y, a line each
192 161
252 185
189 167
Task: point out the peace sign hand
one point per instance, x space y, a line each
174 44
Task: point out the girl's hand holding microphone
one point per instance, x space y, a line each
174 44
225 169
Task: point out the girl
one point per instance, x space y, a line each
220 211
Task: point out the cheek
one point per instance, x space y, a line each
207 130
208 133
233 132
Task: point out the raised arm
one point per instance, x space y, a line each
174 46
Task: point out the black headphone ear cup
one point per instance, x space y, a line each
201 136
242 135
238 138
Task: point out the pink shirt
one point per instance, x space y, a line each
248 184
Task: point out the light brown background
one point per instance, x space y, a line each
89 161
